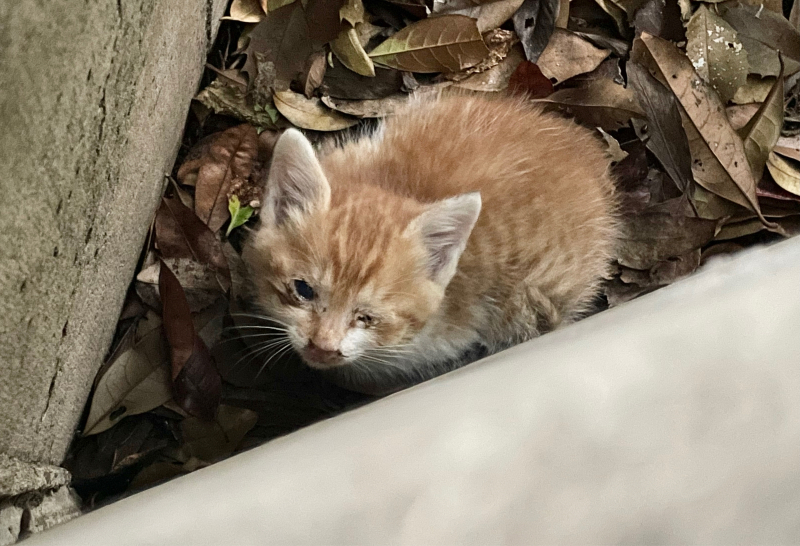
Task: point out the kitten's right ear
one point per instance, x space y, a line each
296 184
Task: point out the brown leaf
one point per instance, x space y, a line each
488 15
342 83
763 34
497 77
598 103
449 43
248 11
660 18
528 80
181 234
370 108
195 381
534 23
652 237
763 130
352 11
231 159
136 381
283 39
215 440
348 50
784 172
568 55
666 139
313 73
310 113
230 100
707 115
323 18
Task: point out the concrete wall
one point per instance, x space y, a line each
674 419
93 100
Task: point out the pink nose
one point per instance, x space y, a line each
322 356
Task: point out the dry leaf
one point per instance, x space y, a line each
763 130
488 15
217 439
449 43
707 115
181 234
529 81
755 89
310 113
343 83
534 23
248 11
613 150
785 174
370 108
740 114
599 103
347 49
496 78
135 382
568 55
231 159
230 100
666 139
196 383
763 33
313 73
716 52
352 11
652 237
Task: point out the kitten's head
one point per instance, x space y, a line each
353 273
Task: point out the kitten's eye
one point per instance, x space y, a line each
304 291
366 320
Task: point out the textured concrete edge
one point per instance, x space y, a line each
97 178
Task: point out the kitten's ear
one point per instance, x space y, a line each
296 184
445 227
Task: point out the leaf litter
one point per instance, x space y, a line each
698 105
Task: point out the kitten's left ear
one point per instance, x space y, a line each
445 227
296 184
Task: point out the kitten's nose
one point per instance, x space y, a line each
323 355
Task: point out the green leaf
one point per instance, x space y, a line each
239 214
716 52
449 43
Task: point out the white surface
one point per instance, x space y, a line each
673 419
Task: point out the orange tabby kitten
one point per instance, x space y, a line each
463 222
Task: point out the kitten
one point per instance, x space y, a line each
462 223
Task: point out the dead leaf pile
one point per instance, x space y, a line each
698 104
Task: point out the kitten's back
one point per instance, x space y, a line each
546 229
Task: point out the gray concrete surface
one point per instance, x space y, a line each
93 99
674 419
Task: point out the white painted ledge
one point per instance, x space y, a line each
673 419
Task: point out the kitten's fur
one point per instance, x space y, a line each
462 222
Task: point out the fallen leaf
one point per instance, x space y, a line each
562 14
497 77
763 130
716 52
755 89
763 34
135 382
788 147
352 11
707 114
343 83
324 19
217 439
740 114
440 44
196 383
417 8
239 214
666 139
347 49
534 23
488 15
664 272
598 103
369 108
785 174
660 18
248 11
310 113
181 234
613 150
528 80
283 39
233 158
617 14
568 55
230 100
651 237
